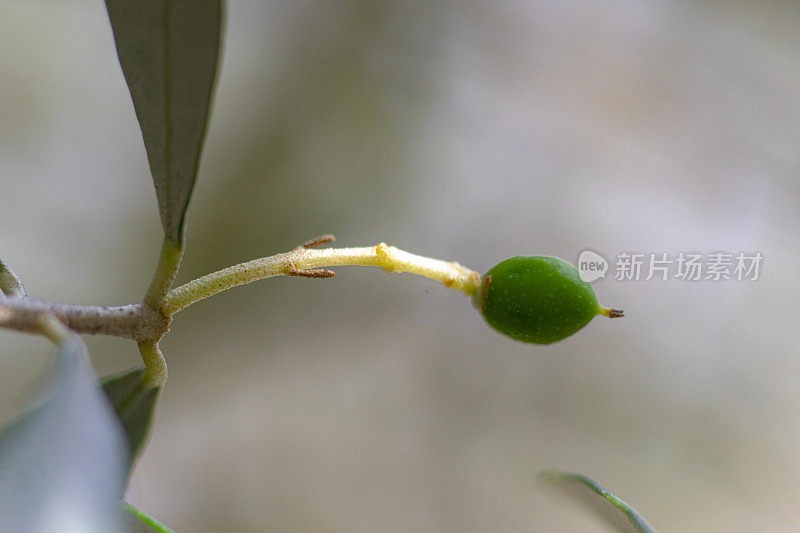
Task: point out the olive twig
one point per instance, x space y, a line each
307 262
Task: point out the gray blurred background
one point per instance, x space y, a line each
468 131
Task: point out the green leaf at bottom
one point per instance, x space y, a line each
134 403
140 522
636 520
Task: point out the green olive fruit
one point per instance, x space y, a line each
538 299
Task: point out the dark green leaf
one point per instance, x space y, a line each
134 403
634 519
168 50
137 521
62 466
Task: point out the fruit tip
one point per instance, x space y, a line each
612 313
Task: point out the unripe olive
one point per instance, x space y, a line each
538 299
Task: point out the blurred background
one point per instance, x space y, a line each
469 131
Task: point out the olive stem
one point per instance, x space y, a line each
168 262
154 362
138 322
303 261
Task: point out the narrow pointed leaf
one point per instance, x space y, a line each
134 403
62 466
168 50
634 519
137 521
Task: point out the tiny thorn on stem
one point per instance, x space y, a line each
613 313
310 272
318 241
